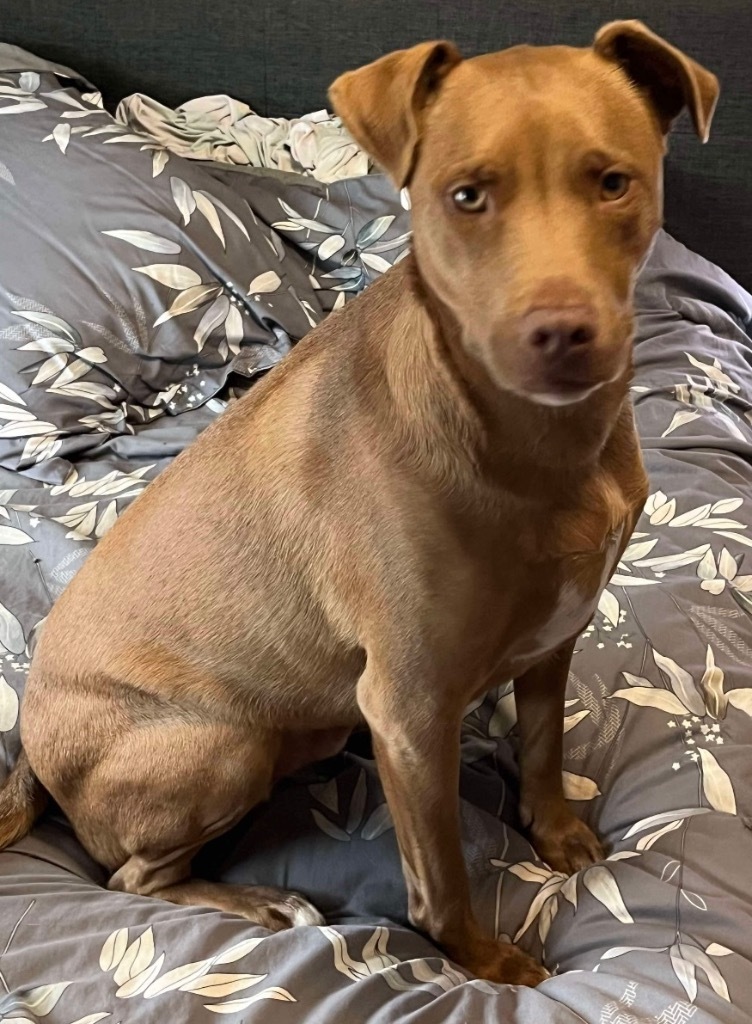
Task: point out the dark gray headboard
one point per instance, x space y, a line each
280 55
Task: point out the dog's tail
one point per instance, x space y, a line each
22 800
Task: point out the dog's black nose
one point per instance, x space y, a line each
557 331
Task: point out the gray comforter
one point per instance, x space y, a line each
138 295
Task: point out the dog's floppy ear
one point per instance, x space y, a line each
381 103
671 80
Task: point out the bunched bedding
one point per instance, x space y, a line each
139 294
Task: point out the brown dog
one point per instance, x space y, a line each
444 475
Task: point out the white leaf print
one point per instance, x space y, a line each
727 505
8 705
229 213
113 949
727 565
147 240
529 872
91 1018
375 954
264 283
716 784
332 830
648 841
660 819
50 367
61 133
311 225
711 685
29 81
392 243
11 535
546 918
547 890
404 197
377 263
159 160
652 697
330 246
236 952
569 890
49 345
579 787
615 951
343 962
183 197
372 231
234 329
42 1000
619 580
12 412
608 606
108 129
215 315
714 949
221 984
186 973
72 372
706 567
602 885
693 516
664 513
741 699
670 870
685 972
205 206
126 138
25 106
136 958
571 720
10 396
694 900
662 563
703 963
681 683
189 300
655 501
106 520
141 981
58 327
379 821
628 677
504 716
721 524
357 803
623 855
6 174
171 274
339 301
640 549
679 419
236 1005
40 448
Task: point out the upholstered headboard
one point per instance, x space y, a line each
280 55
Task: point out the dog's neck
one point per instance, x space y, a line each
445 401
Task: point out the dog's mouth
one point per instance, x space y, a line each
565 393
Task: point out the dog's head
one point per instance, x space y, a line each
535 176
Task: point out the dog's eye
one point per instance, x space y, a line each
614 185
470 199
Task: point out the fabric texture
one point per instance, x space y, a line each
139 294
221 128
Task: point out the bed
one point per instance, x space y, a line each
140 293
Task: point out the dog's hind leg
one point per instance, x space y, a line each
162 793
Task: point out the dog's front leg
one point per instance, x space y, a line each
563 841
416 740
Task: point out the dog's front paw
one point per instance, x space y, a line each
566 844
501 962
